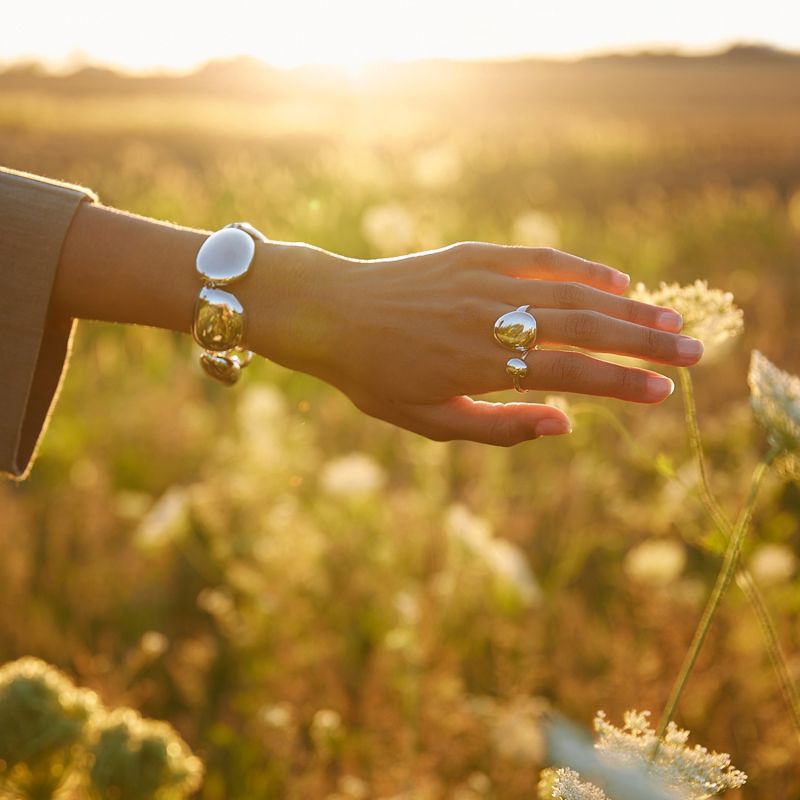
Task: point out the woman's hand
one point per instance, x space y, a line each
409 339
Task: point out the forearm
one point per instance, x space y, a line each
119 267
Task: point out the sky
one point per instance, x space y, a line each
148 35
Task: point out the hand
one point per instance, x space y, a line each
409 339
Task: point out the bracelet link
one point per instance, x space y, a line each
219 318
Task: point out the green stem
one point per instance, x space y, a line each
774 649
721 585
744 578
696 444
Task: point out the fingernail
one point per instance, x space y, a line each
659 387
620 280
669 321
552 427
689 348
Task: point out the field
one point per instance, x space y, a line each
328 607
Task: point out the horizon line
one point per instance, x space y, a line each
81 61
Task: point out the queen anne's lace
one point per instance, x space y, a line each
775 396
708 314
694 772
568 786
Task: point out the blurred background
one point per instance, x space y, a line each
325 606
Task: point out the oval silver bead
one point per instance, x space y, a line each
225 256
516 330
218 320
221 368
516 367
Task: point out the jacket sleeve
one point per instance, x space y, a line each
35 215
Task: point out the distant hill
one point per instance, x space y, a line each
744 72
250 75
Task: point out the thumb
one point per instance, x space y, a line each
502 424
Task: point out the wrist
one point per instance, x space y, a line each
291 298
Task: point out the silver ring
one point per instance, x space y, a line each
517 368
517 330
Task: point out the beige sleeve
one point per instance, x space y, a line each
35 215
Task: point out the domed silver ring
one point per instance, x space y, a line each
516 330
517 369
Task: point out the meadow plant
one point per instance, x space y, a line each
690 773
139 759
775 397
56 740
712 316
708 314
43 719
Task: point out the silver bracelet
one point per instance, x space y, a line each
219 318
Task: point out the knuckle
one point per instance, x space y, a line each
593 271
570 295
636 312
583 325
655 342
568 369
546 256
470 252
471 308
500 431
631 382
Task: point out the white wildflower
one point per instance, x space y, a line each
327 730
353 788
568 786
773 564
468 528
166 521
508 562
694 772
154 644
278 715
352 475
502 558
708 314
775 397
655 562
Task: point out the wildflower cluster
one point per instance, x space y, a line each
692 773
708 314
53 734
43 719
567 785
139 759
775 397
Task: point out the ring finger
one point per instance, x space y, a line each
565 371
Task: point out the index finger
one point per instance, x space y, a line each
552 264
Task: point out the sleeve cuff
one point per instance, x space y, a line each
35 215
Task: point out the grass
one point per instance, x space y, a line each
202 514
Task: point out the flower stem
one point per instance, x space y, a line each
743 578
722 583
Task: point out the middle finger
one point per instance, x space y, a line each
591 330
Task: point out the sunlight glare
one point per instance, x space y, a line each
350 34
